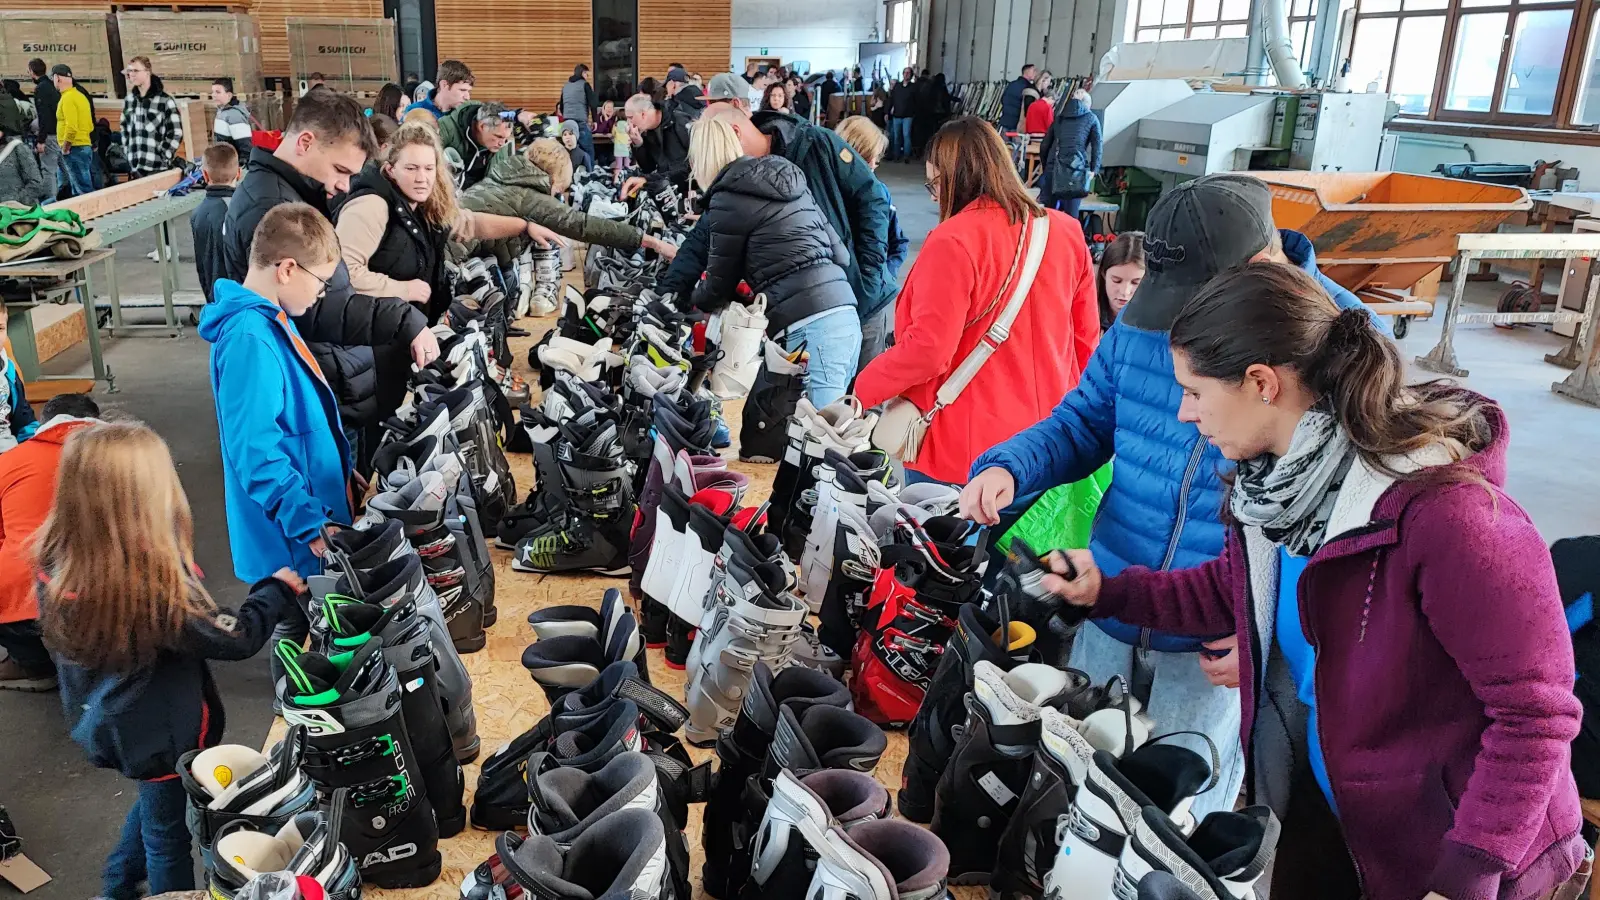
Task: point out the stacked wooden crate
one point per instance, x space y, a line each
77 37
191 49
353 55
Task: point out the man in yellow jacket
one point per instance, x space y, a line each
74 124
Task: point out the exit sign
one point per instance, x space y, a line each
763 51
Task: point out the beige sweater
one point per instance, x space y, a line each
361 225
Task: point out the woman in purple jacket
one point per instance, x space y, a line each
1413 729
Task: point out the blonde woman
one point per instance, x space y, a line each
766 230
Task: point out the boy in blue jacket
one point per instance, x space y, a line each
15 414
286 464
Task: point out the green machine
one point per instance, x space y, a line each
1133 190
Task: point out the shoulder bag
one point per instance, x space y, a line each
902 426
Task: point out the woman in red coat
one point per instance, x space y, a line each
957 289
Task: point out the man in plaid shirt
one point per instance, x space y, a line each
151 128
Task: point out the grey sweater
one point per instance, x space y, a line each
20 181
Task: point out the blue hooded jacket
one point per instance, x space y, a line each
1163 508
285 459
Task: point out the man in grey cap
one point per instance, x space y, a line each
1163 508
729 88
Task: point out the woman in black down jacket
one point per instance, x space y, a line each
766 230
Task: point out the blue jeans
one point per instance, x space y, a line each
834 342
1180 699
79 163
586 139
154 847
900 137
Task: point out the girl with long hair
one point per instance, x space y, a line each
775 98
958 287
123 611
388 101
1415 738
1118 275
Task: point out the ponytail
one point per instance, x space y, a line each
1276 315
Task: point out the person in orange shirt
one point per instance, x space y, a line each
27 486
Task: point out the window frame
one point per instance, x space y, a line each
1153 32
1568 81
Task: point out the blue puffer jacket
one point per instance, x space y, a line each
1163 509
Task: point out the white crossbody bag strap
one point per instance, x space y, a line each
1039 236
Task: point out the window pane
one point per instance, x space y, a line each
1588 109
1369 58
1147 34
1374 6
1298 8
1470 3
1205 10
1418 64
1239 30
616 26
1470 84
1149 12
1177 12
1198 32
1235 10
1538 43
1298 32
1426 4
1172 34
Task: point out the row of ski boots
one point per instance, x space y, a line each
488 299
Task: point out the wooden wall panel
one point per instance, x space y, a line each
520 51
271 14
697 34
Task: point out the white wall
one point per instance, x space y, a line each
1411 156
826 33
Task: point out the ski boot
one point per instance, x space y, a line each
687 427
880 860
350 705
991 763
801 811
979 637
622 855
841 484
404 636
420 508
779 386
306 845
1029 845
741 754
567 658
696 568
590 533
546 280
1222 859
841 426
744 331
230 783
1054 622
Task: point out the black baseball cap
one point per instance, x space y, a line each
1196 231
61 69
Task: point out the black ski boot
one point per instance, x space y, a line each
623 855
1054 622
565 659
931 738
420 508
350 705
741 755
404 637
1029 845
764 425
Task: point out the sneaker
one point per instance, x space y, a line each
13 677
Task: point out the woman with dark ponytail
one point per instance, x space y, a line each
1413 730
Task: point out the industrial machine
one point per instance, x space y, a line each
1122 104
1205 133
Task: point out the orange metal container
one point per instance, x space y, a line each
1381 232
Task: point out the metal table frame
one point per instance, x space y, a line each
78 273
157 214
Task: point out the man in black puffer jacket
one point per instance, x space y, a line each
327 142
762 227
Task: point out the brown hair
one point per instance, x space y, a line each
972 162
221 158
420 116
440 208
1276 315
868 139
118 547
550 156
143 61
334 119
388 101
1127 248
766 96
293 231
383 128
454 71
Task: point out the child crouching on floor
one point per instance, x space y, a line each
123 612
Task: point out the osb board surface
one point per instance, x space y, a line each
520 51
508 702
699 35
273 16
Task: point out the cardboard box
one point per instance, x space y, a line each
190 49
75 37
354 55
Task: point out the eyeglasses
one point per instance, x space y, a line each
322 293
932 188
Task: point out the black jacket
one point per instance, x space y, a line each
763 228
45 100
665 148
206 224
903 100
343 327
140 722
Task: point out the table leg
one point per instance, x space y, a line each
91 327
115 291
1442 358
169 273
24 345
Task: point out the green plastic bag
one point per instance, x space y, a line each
1063 516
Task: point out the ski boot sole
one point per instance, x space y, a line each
609 571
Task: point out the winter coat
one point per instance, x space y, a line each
1039 118
284 457
898 248
1163 508
151 129
948 303
344 326
1072 144
408 248
1443 676
765 230
20 180
665 148
45 100
903 100
233 126
27 491
140 722
455 133
426 104
846 191
15 411
12 119
1011 104
210 259
577 99
516 187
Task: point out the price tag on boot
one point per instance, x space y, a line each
996 789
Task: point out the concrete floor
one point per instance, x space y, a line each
70 814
